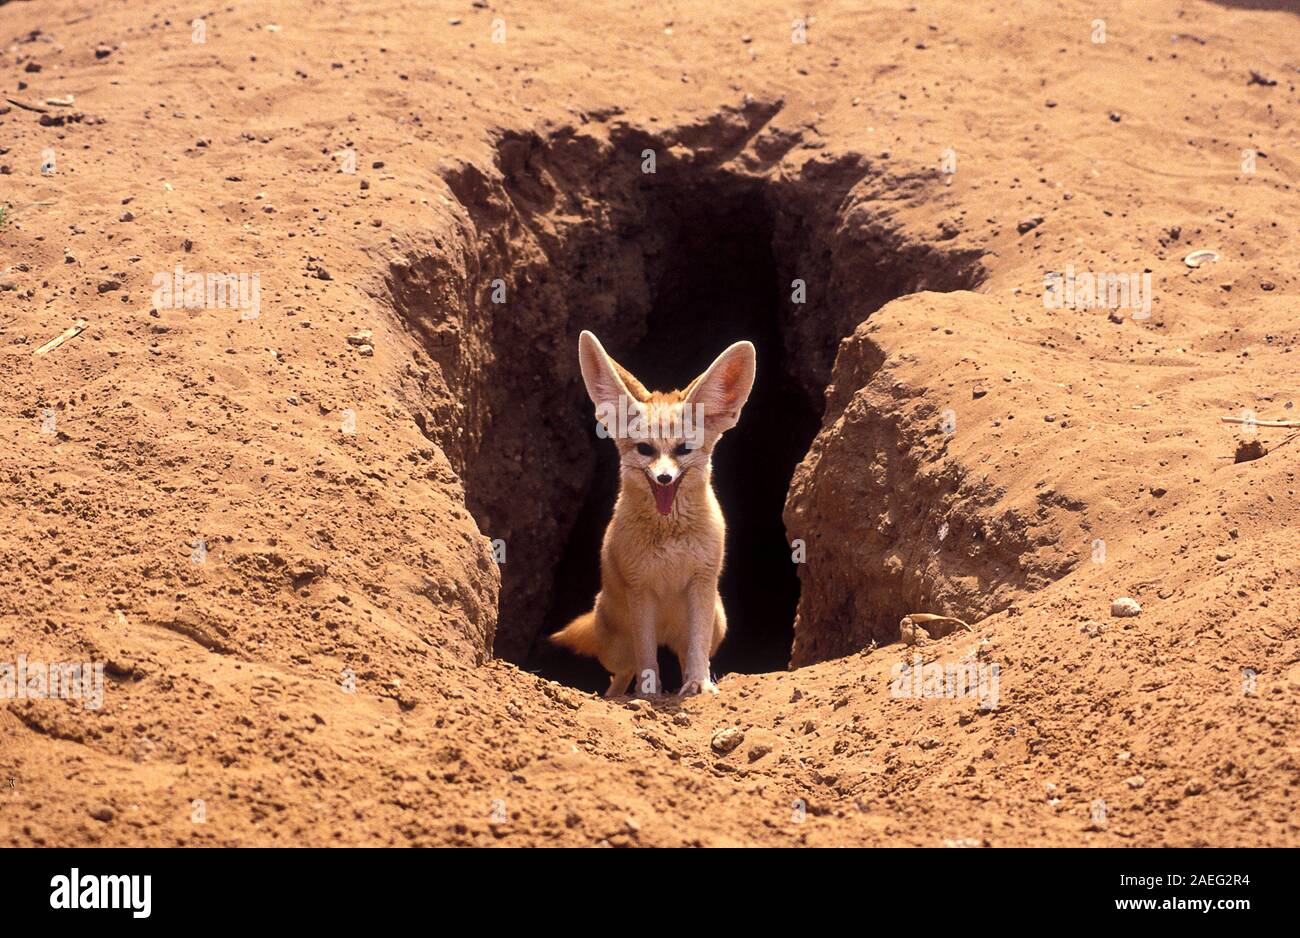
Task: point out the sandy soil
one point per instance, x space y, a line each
276 531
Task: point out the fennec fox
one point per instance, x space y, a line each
662 553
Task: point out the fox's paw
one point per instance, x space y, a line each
693 687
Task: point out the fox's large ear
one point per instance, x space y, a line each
723 389
637 389
607 381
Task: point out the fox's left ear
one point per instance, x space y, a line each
723 389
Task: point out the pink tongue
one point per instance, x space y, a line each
664 495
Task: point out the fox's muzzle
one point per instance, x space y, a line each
665 493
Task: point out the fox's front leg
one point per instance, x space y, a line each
701 600
645 646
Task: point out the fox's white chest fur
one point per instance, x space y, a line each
662 555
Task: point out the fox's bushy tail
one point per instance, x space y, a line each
580 635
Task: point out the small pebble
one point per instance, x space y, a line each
728 739
1124 606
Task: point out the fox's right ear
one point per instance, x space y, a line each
609 385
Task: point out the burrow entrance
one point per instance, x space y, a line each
667 268
718 284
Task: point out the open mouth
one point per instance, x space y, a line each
664 494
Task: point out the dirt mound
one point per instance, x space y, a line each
896 504
317 472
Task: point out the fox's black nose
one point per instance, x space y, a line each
664 478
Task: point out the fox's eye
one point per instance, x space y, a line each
680 450
645 449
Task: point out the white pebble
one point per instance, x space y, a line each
1125 607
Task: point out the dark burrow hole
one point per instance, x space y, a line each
719 285
668 269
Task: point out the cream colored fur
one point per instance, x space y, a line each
659 572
